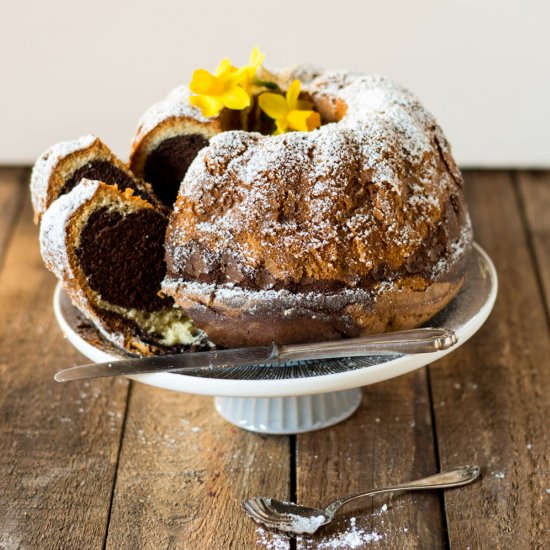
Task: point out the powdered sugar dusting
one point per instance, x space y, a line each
47 162
317 305
176 104
389 112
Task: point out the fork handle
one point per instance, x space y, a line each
420 340
451 478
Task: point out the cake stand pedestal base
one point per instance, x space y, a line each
289 415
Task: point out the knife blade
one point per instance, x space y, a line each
423 340
173 363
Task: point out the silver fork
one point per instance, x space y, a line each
296 519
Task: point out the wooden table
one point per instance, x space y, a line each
113 464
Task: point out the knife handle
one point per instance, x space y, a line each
420 340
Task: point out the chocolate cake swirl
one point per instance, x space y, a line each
106 247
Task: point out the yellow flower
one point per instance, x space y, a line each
219 90
227 87
255 59
289 112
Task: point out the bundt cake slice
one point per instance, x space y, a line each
107 248
63 165
168 138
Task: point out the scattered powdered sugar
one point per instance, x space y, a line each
498 475
352 537
272 541
349 536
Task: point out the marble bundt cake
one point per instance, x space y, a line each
357 227
106 247
62 167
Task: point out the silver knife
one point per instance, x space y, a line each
422 340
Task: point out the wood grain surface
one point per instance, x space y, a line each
12 191
183 472
389 440
106 464
534 188
492 396
58 443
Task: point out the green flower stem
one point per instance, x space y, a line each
269 85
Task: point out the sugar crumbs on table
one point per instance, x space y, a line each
353 537
271 541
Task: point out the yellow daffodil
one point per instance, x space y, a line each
289 112
227 87
254 61
219 90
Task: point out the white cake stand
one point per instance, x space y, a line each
304 396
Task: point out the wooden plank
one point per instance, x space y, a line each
534 188
58 443
183 472
11 195
491 397
388 440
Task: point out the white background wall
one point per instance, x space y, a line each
481 66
